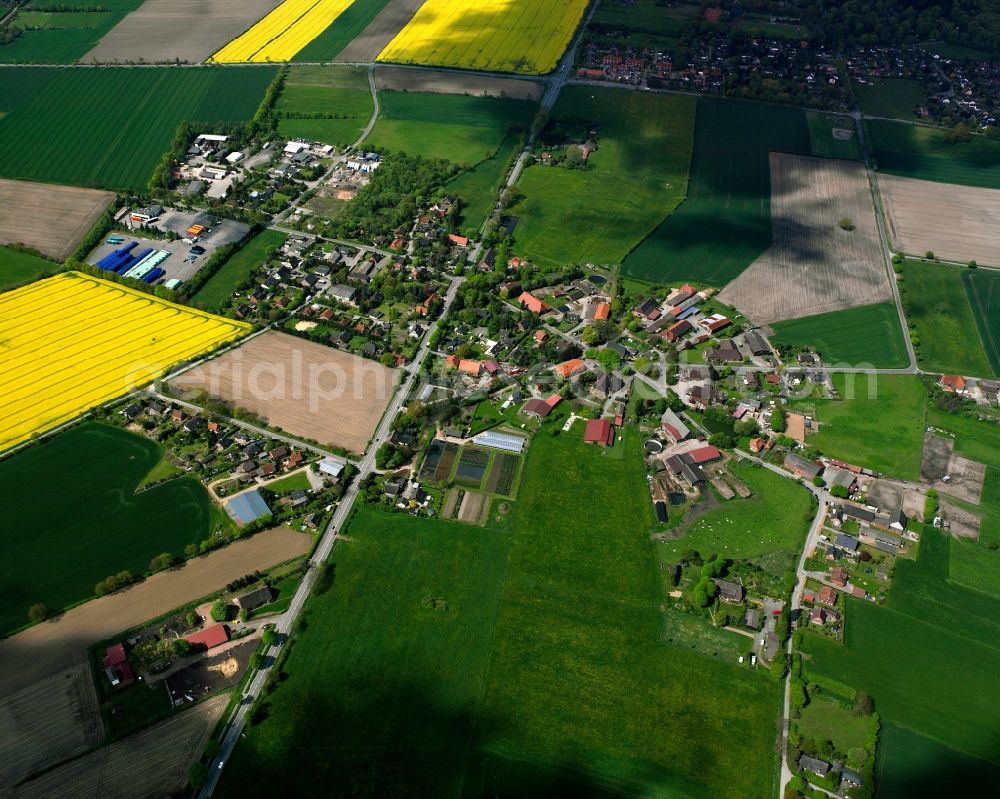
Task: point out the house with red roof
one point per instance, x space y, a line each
567 369
470 367
602 312
953 383
600 432
532 303
116 667
210 637
461 241
540 336
704 454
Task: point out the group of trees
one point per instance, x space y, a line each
114 582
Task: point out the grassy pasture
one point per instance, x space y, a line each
222 284
725 222
464 130
940 307
409 676
823 720
983 289
917 151
646 16
775 518
20 267
479 186
976 440
64 36
945 639
579 215
582 598
883 432
822 141
61 536
892 97
108 128
870 334
340 93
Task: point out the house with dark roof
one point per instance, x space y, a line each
801 466
756 344
536 407
818 767
607 385
730 592
725 352
256 598
752 619
856 512
848 543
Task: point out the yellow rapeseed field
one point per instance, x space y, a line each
73 341
283 32
494 35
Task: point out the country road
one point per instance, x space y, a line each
365 467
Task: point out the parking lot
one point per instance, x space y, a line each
181 264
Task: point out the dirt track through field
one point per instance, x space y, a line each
189 30
380 31
304 388
813 266
50 647
957 223
51 219
153 763
46 723
402 79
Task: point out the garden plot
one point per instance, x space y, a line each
403 79
47 218
473 508
957 223
814 265
188 30
472 466
301 387
965 477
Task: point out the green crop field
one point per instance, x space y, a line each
344 29
975 567
327 104
983 288
909 764
892 97
942 637
776 517
877 423
18 267
108 128
70 517
62 36
940 307
725 222
510 664
917 151
479 186
870 334
232 273
580 215
646 16
463 130
822 141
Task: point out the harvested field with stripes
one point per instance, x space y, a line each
825 253
48 648
957 223
304 388
152 763
389 21
52 720
526 36
72 342
50 219
189 30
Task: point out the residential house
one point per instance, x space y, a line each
847 543
607 385
256 598
756 344
827 596
672 425
954 384
726 352
818 767
532 303
838 576
730 592
568 369
802 467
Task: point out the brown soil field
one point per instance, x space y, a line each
473 509
957 223
51 219
153 763
965 477
189 30
304 388
404 79
813 266
51 647
961 522
48 722
380 31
